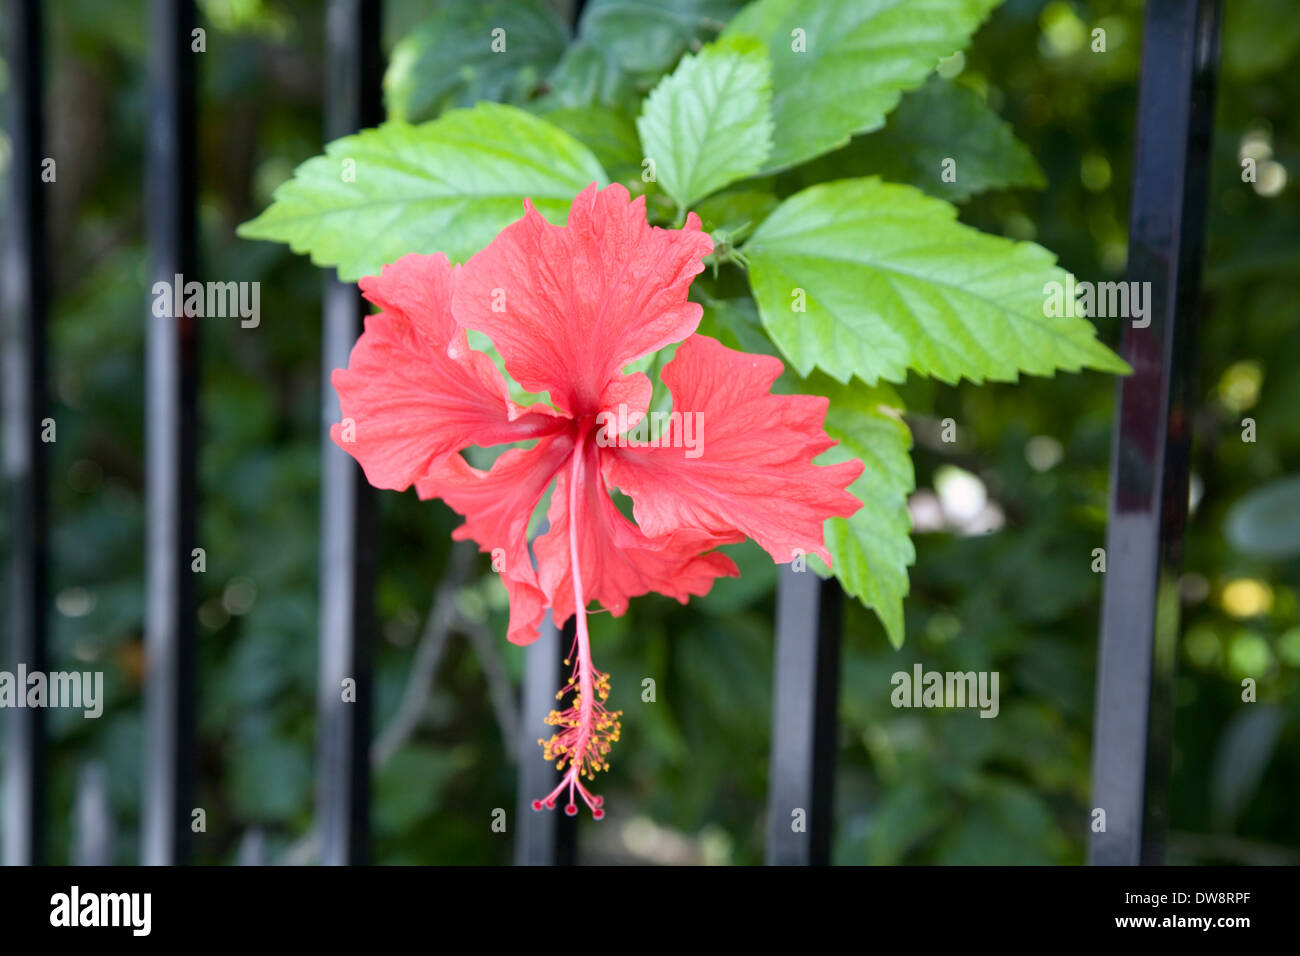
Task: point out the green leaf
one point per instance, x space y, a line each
609 133
735 214
735 323
940 121
647 36
872 550
586 77
456 58
839 66
625 46
709 123
446 186
890 281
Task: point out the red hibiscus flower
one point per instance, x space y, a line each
568 308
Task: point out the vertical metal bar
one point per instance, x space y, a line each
809 617
348 533
94 832
546 837
252 848
1149 463
171 392
25 406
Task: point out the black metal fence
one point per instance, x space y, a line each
1149 478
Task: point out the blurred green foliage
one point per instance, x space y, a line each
689 779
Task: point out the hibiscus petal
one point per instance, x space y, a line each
406 403
569 306
617 560
497 505
753 472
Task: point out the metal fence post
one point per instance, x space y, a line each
546 837
809 618
348 513
25 405
1149 462
94 832
171 394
